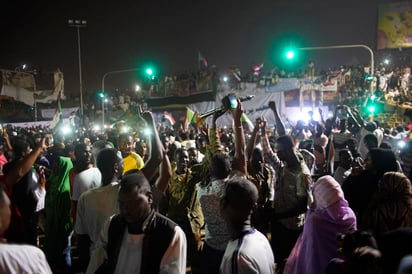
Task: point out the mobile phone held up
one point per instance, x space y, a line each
229 102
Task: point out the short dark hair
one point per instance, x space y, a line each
220 166
106 159
133 180
241 194
370 137
177 152
286 141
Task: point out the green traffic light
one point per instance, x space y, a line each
100 94
149 71
290 54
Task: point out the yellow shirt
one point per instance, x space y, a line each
132 161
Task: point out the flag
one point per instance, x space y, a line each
57 113
202 59
190 114
192 117
235 72
168 116
331 156
245 119
256 68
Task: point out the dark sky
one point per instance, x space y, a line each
126 34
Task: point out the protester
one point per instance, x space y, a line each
19 187
328 216
216 232
248 251
87 176
391 205
359 189
97 205
139 240
58 227
291 191
18 258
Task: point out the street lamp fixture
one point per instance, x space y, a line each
79 23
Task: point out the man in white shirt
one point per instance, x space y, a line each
248 251
88 177
96 205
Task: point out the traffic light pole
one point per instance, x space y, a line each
104 77
345 47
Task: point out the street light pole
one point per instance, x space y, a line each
345 47
79 24
104 77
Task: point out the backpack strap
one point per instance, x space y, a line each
235 255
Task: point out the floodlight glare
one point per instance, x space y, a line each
66 130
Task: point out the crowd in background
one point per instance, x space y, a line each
327 196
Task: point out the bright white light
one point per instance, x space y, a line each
24 66
225 79
106 100
386 61
137 88
401 144
147 131
66 130
96 127
125 129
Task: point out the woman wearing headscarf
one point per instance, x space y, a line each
57 209
328 215
360 188
391 206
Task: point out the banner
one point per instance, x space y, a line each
22 86
394 25
284 84
49 113
18 85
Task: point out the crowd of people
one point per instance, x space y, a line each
329 196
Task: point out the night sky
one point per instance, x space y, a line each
127 34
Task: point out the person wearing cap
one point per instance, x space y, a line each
328 215
195 156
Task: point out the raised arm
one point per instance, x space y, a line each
251 144
23 166
6 139
156 147
165 174
240 156
280 126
